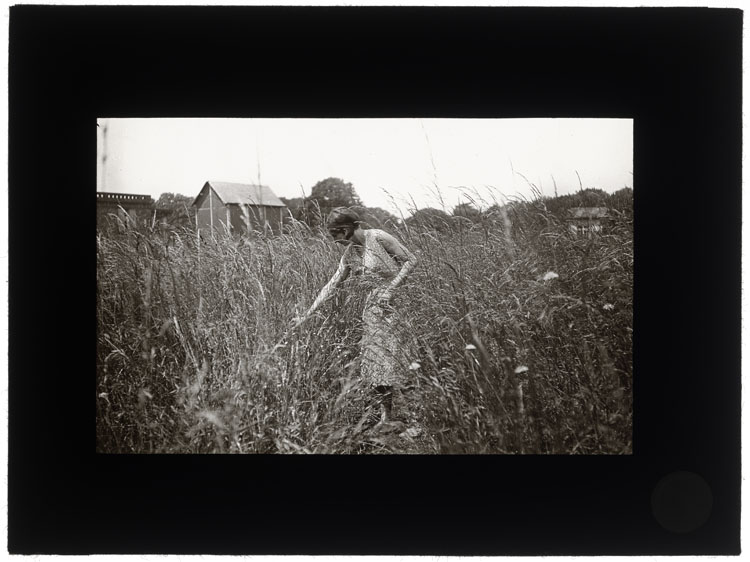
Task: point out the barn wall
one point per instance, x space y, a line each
104 218
258 217
274 216
134 216
233 215
237 222
204 213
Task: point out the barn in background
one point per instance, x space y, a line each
130 208
238 208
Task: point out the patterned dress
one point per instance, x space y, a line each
382 352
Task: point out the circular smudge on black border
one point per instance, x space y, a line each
682 501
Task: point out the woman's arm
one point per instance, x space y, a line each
402 255
342 272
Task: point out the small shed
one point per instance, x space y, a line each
238 208
587 220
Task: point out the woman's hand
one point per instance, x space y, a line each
384 298
296 322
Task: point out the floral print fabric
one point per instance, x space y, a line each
381 351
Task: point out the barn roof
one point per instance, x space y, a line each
588 212
243 194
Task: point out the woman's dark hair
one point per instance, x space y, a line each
342 216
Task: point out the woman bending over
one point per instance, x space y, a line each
384 263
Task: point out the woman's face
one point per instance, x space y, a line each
341 235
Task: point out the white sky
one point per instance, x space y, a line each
378 156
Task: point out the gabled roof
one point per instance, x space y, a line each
241 193
588 212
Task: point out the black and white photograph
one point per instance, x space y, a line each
383 281
365 286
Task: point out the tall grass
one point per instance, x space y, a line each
520 336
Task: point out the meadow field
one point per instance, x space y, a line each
520 336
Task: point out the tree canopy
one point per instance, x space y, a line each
334 192
622 200
430 218
375 216
173 201
468 211
296 206
325 196
174 209
591 197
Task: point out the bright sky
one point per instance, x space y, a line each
387 160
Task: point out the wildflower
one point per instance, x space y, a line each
414 366
212 417
470 347
608 306
521 369
411 432
549 276
143 395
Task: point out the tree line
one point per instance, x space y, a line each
175 209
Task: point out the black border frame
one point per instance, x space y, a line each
676 71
